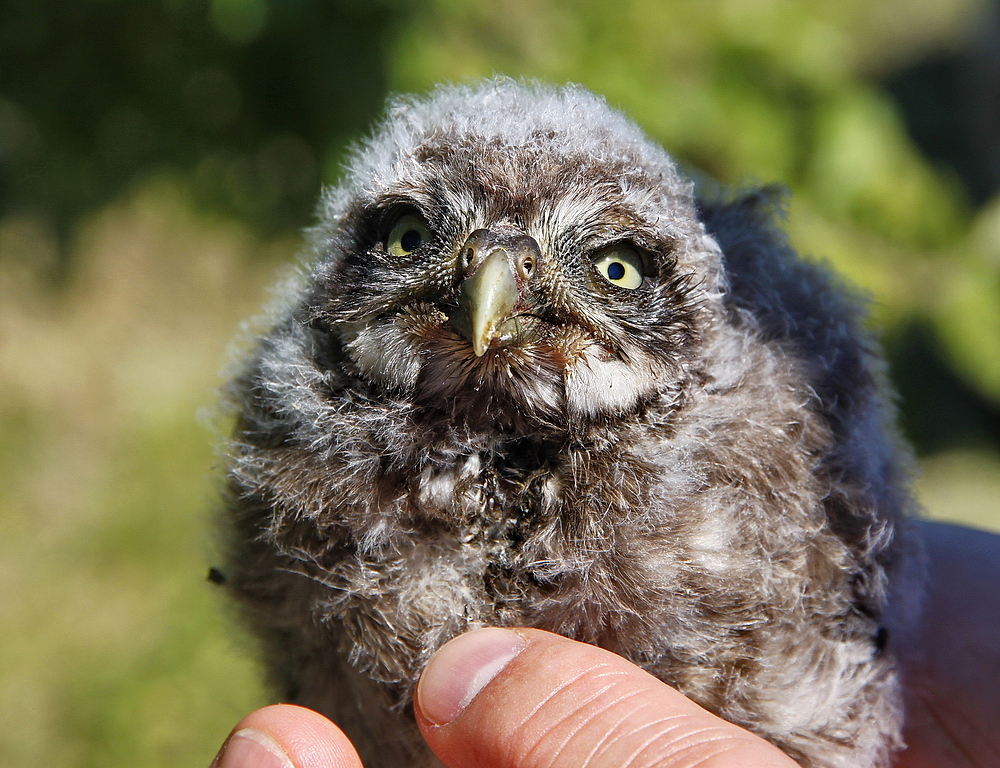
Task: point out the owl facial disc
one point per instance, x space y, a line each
497 268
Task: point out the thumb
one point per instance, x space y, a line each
286 736
517 698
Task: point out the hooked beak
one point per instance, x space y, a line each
497 269
488 298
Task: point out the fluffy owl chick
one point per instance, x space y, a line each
529 380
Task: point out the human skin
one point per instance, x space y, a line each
951 661
524 698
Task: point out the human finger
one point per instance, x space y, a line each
503 698
286 736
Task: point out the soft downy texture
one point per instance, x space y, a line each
701 475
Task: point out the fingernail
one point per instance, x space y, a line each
462 668
250 748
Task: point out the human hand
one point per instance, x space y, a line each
950 660
513 698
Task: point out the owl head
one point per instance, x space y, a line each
514 255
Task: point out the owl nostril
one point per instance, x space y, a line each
520 251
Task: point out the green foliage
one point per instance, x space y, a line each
114 649
252 100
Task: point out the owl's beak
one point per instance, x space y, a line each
497 268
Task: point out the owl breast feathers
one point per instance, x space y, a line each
529 379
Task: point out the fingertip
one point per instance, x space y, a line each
252 748
461 669
561 703
286 736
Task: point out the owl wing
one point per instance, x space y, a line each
819 319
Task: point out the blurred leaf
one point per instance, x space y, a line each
967 308
962 487
249 94
114 649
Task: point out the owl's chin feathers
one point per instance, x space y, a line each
561 377
598 385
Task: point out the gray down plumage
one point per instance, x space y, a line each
699 472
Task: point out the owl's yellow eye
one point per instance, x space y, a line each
407 235
621 266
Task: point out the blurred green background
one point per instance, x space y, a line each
158 158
